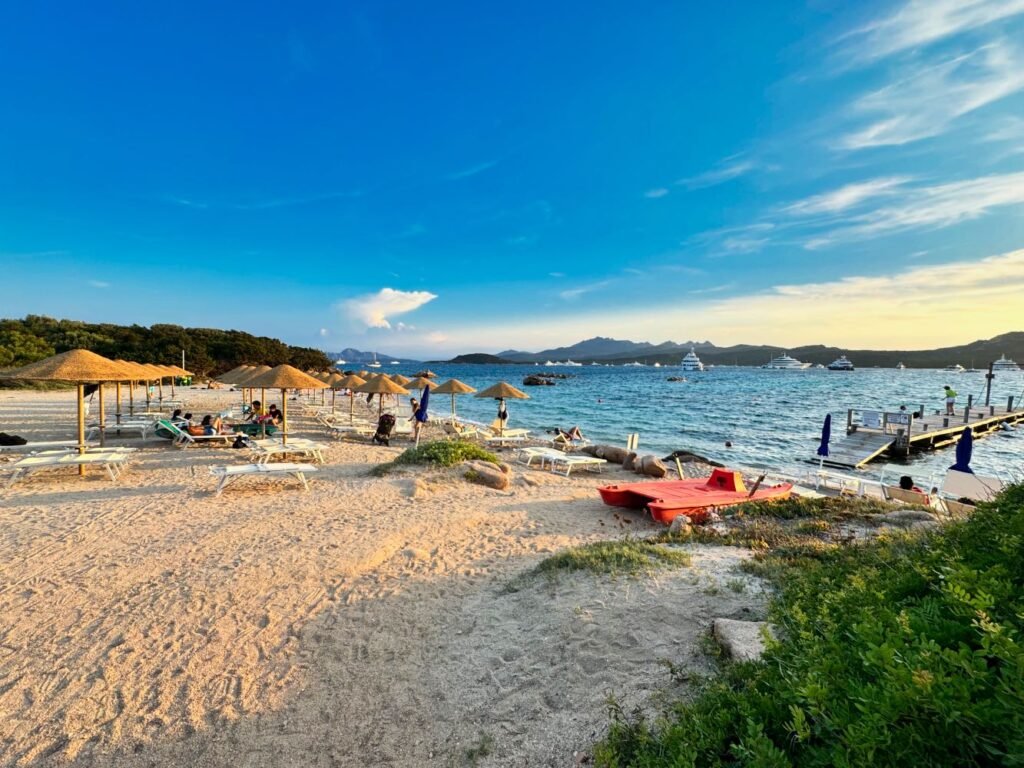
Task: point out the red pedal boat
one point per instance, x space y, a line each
693 498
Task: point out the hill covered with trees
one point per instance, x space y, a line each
208 351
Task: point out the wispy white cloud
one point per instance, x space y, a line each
471 171
324 333
571 294
655 193
729 169
847 196
714 288
556 274
374 310
930 97
99 284
918 23
932 207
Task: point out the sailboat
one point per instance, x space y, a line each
375 363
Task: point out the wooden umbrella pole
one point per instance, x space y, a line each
453 407
118 401
81 426
131 398
103 424
334 396
351 407
161 382
284 417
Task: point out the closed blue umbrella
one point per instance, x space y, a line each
964 448
826 435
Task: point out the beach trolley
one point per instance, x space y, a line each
667 499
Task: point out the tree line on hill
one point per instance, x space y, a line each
208 351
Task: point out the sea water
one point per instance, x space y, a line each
772 418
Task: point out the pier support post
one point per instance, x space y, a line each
988 382
1009 404
849 420
967 414
970 401
991 410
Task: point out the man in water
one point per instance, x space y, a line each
950 400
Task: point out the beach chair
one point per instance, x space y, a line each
43 445
568 463
529 455
904 496
966 485
182 439
264 450
113 461
229 474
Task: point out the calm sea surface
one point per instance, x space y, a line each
772 418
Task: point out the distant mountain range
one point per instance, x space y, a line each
350 355
617 352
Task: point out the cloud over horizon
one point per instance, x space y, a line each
374 310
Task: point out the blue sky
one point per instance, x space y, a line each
455 177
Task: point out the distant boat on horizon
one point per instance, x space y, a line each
1005 364
375 363
954 368
841 364
691 362
901 367
785 363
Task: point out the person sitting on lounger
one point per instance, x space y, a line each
213 425
274 416
907 484
255 410
574 435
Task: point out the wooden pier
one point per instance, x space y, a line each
872 434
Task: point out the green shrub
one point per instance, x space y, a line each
623 556
441 453
904 651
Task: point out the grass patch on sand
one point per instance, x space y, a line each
439 453
628 555
902 650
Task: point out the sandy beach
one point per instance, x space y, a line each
368 621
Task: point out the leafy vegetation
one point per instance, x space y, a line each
903 651
627 555
207 351
441 453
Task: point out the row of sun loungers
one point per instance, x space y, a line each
114 461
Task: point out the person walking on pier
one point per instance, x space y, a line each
950 400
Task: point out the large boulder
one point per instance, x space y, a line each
651 466
537 381
685 457
629 463
610 453
741 640
485 473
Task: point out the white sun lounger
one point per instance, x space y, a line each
569 462
528 455
183 439
229 474
965 485
113 462
264 450
43 445
137 426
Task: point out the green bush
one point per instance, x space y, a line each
905 651
441 453
623 556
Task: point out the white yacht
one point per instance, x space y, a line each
901 367
842 364
341 362
375 363
635 364
572 363
549 364
954 368
1004 364
691 362
785 363
396 362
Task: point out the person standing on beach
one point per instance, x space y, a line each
950 400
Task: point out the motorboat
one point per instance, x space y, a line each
695 498
691 362
375 363
396 362
549 364
572 364
341 362
901 367
785 363
841 364
1005 364
955 368
657 365
635 364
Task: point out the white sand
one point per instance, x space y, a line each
367 622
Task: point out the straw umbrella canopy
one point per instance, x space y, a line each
453 387
426 374
381 385
285 377
420 383
400 380
242 381
500 392
230 376
80 366
351 383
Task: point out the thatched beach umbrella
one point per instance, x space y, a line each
399 379
453 387
332 382
242 381
285 377
420 383
80 366
426 374
229 377
351 383
381 385
500 392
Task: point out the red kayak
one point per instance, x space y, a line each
693 498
